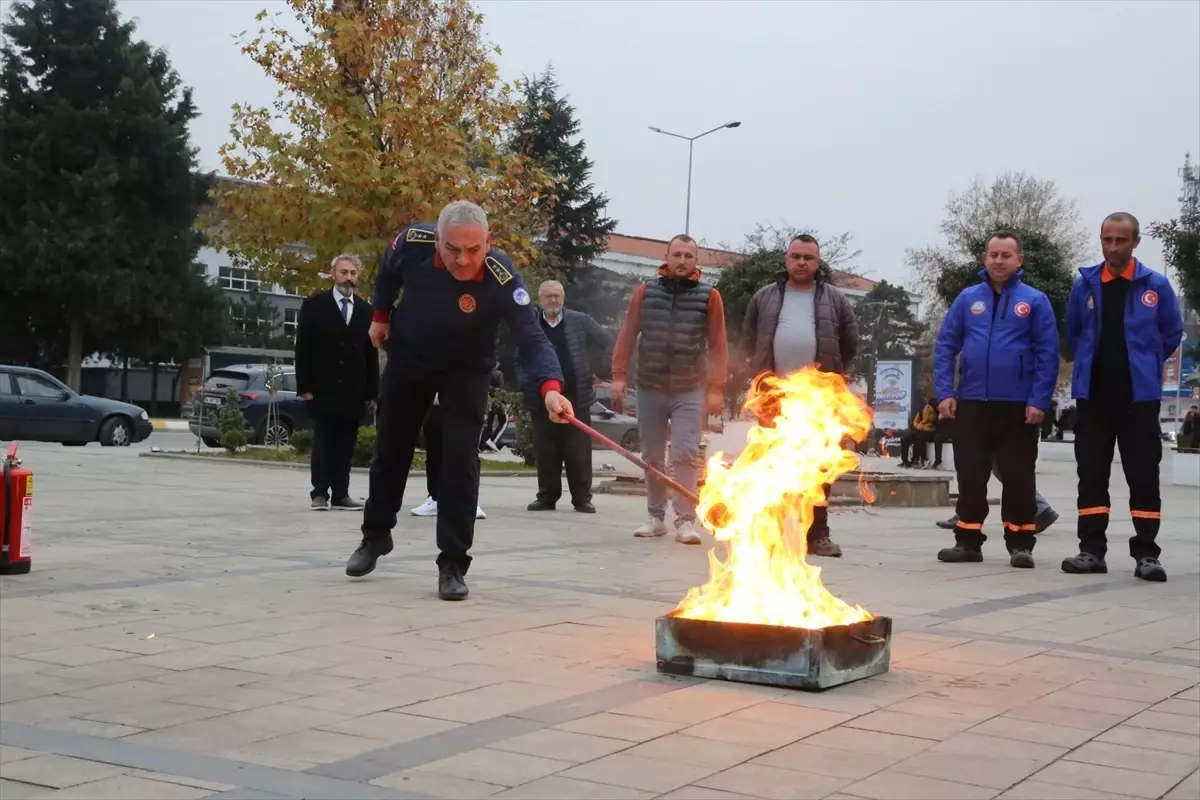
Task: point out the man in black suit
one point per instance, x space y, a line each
337 373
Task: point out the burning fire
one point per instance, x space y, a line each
762 506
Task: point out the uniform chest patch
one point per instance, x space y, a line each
1150 299
467 304
1022 309
978 307
521 297
1091 303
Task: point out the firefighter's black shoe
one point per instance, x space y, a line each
824 546
451 585
585 508
1148 569
1045 519
1022 559
959 554
1084 564
362 561
540 505
948 524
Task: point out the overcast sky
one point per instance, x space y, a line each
859 117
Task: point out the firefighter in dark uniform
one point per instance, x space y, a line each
1007 338
1123 322
441 340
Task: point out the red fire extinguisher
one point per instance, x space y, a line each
16 506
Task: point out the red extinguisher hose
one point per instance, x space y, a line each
8 509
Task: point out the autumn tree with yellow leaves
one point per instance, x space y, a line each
387 110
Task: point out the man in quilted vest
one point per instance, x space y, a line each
677 323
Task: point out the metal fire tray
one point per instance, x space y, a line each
799 658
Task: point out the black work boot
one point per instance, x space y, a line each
824 546
1148 569
1084 564
362 561
960 554
585 507
451 585
1022 559
948 524
540 505
1045 519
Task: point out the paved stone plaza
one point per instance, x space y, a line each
188 631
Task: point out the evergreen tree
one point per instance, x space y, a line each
99 192
547 133
887 330
1180 239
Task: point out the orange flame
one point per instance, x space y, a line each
762 505
865 491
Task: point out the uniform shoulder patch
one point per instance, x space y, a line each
419 235
500 272
520 296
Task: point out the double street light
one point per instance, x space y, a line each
691 140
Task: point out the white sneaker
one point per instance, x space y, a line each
479 513
426 509
654 528
686 533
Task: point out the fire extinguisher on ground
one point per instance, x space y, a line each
16 506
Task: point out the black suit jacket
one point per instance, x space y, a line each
336 362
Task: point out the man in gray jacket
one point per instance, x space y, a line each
799 321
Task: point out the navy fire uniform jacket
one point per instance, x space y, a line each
444 325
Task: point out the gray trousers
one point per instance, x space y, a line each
683 415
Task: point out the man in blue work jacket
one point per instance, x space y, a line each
1123 322
1003 335
441 340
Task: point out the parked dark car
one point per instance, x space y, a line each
37 407
621 428
250 382
604 397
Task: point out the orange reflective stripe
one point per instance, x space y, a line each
1019 528
1093 511
1146 514
970 526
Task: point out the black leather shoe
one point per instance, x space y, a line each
948 524
1149 569
1084 564
362 561
451 585
540 505
959 554
585 508
347 504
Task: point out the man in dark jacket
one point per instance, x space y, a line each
1003 335
577 338
1123 323
441 338
337 373
796 322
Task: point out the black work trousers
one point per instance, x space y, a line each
917 442
1132 427
431 435
334 437
994 431
407 399
557 446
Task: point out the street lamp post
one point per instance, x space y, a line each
691 140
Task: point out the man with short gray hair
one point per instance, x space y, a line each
441 340
337 375
577 340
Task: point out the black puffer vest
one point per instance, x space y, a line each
673 349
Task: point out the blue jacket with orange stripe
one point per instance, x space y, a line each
1153 329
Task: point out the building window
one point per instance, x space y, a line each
238 279
250 325
291 321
